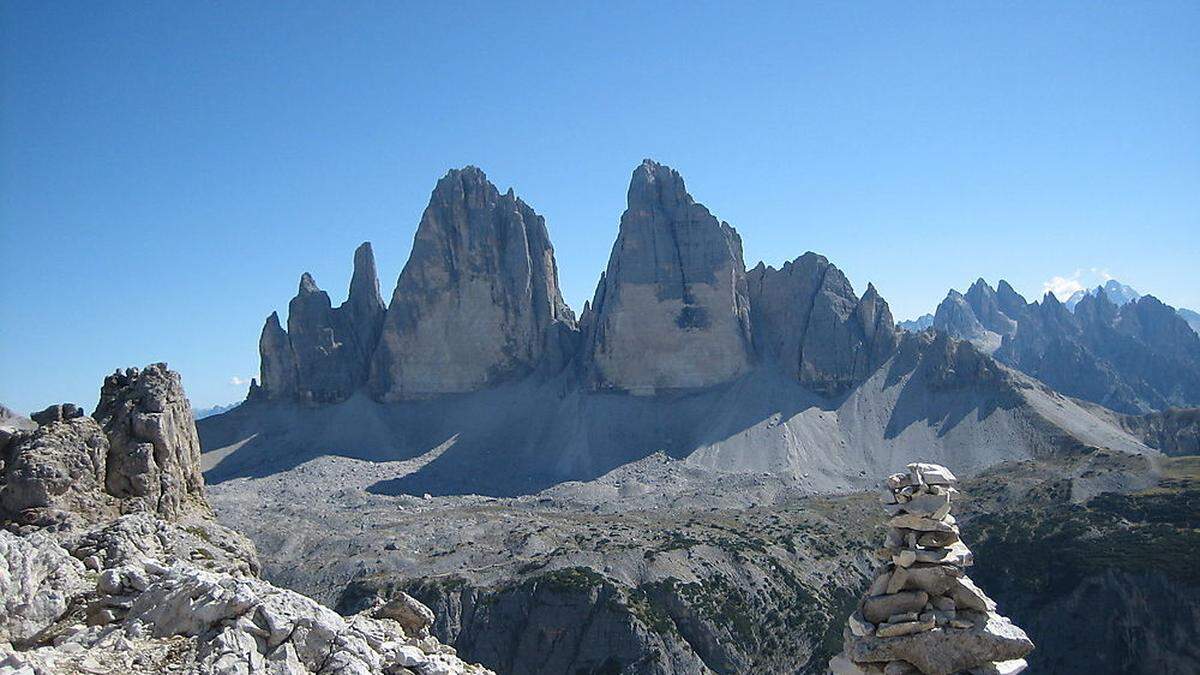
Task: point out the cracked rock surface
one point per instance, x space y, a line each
163 588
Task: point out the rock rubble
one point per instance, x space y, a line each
922 614
163 588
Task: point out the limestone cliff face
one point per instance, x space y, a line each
478 301
324 355
807 318
672 310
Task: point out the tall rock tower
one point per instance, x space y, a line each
325 353
672 309
478 301
922 614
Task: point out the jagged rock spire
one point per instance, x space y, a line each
155 452
324 354
477 301
808 320
672 309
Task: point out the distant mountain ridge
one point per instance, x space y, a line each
1135 357
916 325
201 413
1117 292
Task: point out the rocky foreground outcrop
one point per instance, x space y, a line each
922 615
162 587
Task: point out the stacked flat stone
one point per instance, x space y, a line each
922 613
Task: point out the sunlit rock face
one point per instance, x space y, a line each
671 310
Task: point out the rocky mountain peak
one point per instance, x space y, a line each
808 320
956 317
476 301
988 309
672 309
1131 355
1009 300
364 283
324 354
654 184
308 285
981 287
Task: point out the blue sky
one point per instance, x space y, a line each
168 170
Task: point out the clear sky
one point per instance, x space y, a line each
167 170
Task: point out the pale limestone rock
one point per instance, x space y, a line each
941 652
932 474
1013 667
478 302
671 310
887 630
38 579
56 474
414 617
912 522
955 554
840 665
877 609
153 461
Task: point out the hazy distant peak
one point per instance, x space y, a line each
1117 292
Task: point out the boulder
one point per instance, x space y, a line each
878 608
57 413
414 617
946 651
56 474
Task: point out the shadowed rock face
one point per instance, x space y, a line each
1175 431
807 318
324 355
153 461
477 301
672 309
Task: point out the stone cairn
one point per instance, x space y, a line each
922 613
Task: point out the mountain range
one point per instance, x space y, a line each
1115 291
1122 350
668 480
478 364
